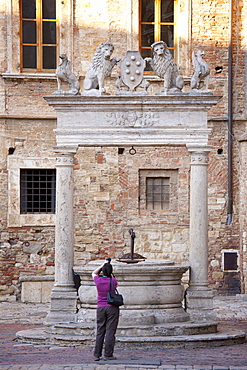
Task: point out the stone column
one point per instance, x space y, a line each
199 296
64 295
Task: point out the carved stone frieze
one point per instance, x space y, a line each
133 119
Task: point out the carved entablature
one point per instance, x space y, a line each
147 120
133 119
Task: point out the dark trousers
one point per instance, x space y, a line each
107 322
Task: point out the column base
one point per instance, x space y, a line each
63 307
199 302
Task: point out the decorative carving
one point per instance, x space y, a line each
133 119
65 160
64 73
201 72
101 68
163 65
199 158
132 68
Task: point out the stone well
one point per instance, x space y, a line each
153 296
152 292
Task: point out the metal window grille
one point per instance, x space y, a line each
157 193
230 261
38 190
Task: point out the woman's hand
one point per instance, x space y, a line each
96 272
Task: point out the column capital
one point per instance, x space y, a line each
204 149
199 154
65 155
68 150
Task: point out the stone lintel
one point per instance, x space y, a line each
148 120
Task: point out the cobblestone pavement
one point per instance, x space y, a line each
231 312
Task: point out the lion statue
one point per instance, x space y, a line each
101 67
64 73
163 65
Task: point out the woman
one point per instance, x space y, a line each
107 315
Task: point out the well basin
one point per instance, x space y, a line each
152 292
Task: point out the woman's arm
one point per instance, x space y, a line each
96 272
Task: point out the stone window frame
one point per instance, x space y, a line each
172 174
14 216
223 251
65 38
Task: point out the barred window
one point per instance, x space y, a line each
157 193
38 190
158 190
38 35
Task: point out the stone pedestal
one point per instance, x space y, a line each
199 296
64 295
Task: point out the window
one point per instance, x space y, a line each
38 35
157 193
230 260
16 167
37 188
158 190
157 22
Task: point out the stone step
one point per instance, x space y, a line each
165 329
221 338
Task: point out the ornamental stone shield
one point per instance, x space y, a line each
132 67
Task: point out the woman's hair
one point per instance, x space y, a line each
107 269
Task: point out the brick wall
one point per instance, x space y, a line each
106 204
